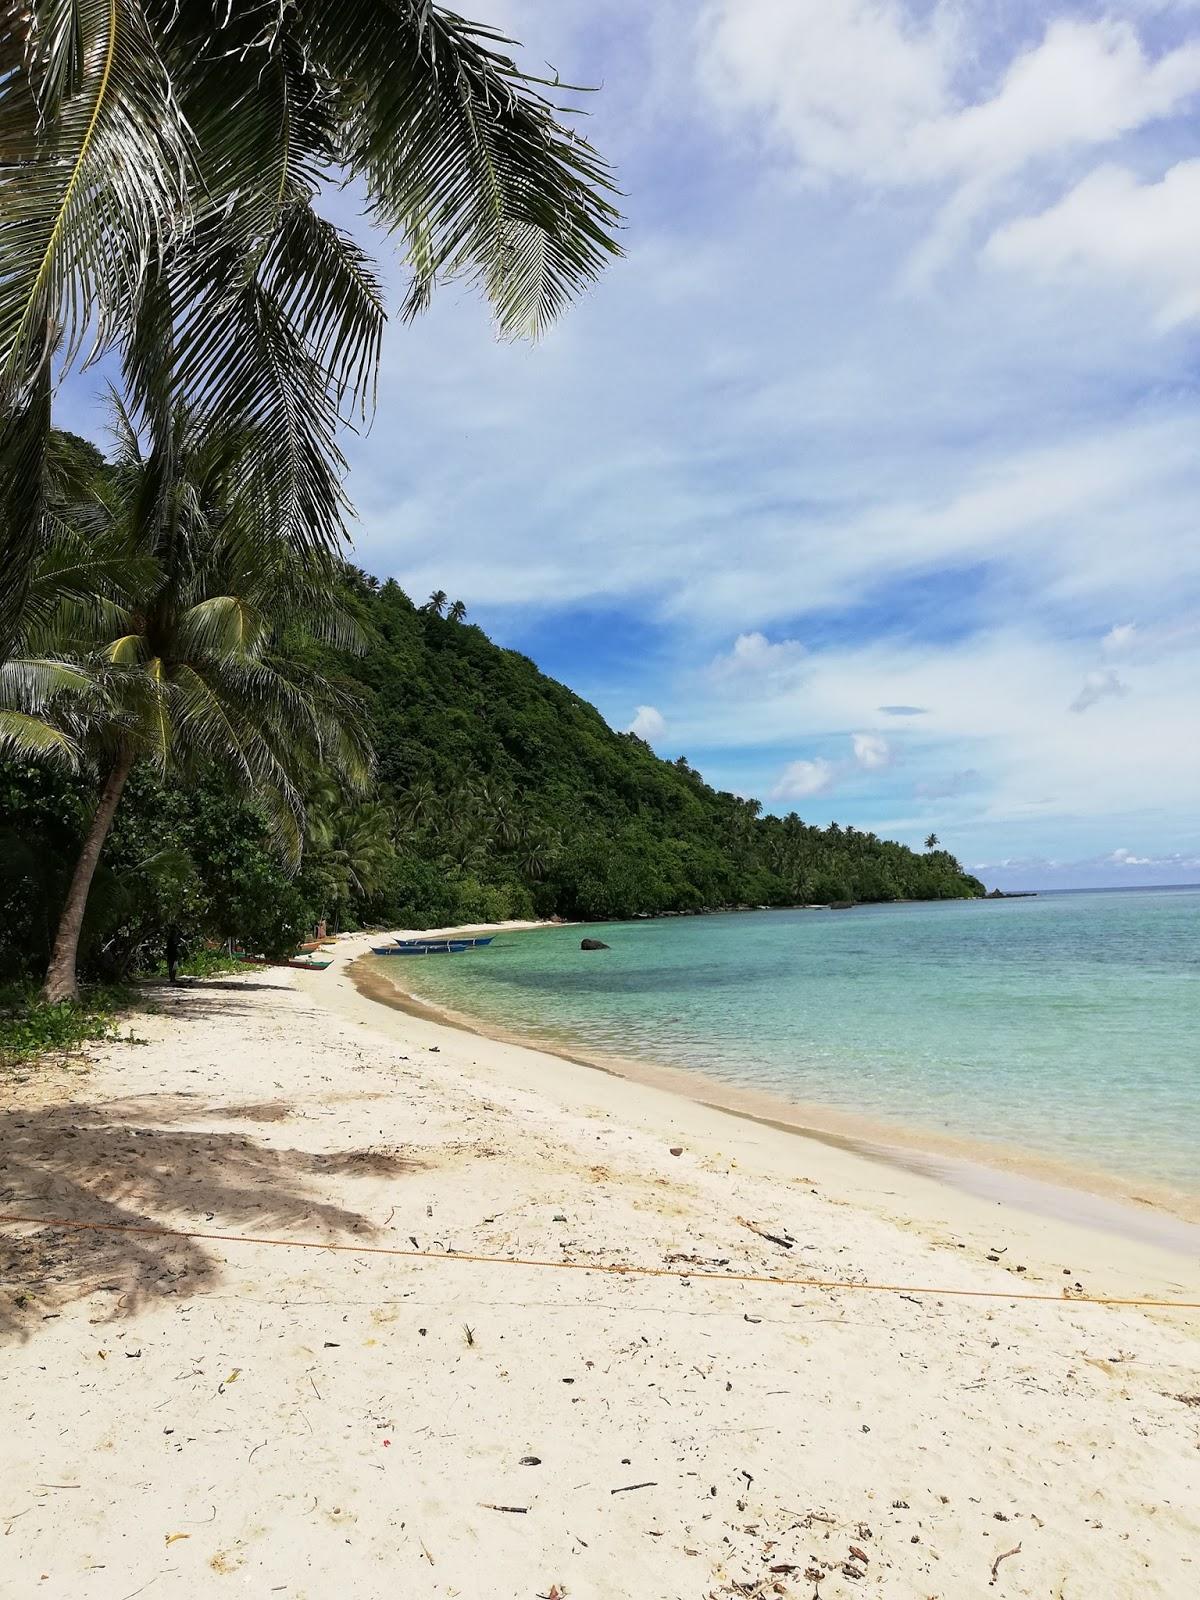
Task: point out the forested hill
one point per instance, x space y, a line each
511 793
498 793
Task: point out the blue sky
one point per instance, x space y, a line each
870 479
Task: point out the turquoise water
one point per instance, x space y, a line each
1068 1025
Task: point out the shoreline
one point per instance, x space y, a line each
305 1330
1142 1212
1121 1247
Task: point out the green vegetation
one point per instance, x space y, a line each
511 794
31 1027
177 646
497 792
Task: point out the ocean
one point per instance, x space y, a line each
1066 1026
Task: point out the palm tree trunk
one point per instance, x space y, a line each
62 979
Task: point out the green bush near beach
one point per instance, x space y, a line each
31 1027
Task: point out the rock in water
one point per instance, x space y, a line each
593 944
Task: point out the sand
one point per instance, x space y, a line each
198 1416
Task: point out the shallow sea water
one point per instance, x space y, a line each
1067 1025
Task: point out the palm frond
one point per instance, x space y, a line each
32 739
103 169
24 427
467 158
31 684
127 651
216 723
44 703
210 728
223 624
331 291
162 161
245 360
285 820
86 562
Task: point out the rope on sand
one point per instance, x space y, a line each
614 1269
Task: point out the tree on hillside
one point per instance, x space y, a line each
420 806
457 612
189 648
932 842
350 848
534 855
163 159
436 604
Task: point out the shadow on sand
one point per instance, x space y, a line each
129 1163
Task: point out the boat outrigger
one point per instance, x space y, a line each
300 963
430 947
423 948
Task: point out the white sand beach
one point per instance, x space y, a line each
199 1415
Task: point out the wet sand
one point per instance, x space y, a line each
1151 1214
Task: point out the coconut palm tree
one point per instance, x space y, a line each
162 159
932 842
457 612
535 853
421 806
436 603
190 651
46 699
352 841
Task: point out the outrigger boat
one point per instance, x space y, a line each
432 946
423 947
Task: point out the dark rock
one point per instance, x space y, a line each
593 944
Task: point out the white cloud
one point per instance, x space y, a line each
842 82
648 724
1119 638
1098 514
871 751
1096 871
1085 84
997 721
754 656
1113 228
1098 686
803 778
863 88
